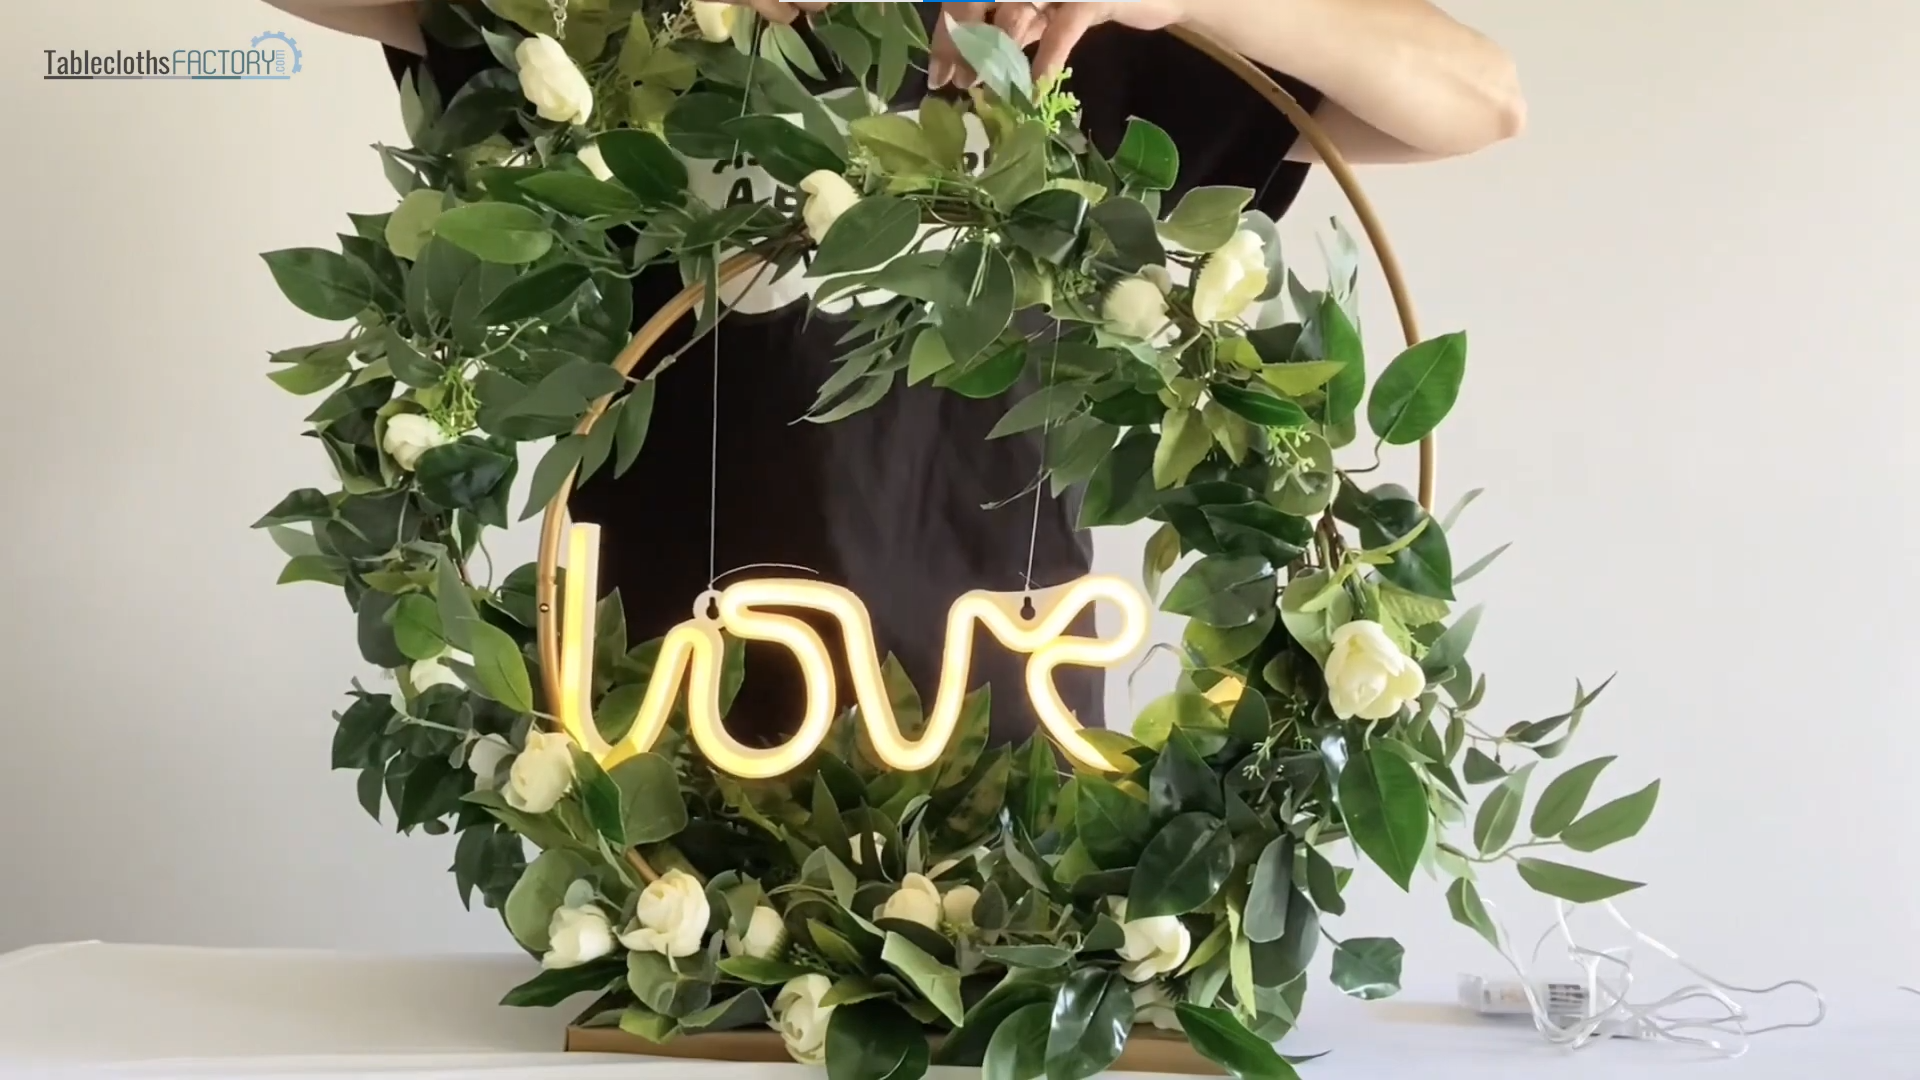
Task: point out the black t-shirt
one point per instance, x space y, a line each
890 502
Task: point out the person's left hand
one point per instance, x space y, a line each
1056 27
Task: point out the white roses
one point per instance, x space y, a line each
1367 674
433 671
542 774
1153 1005
672 916
765 939
1154 946
409 436
917 901
595 161
801 1020
485 758
578 934
1233 278
552 82
958 907
715 20
1137 308
828 196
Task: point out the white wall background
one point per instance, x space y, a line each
1692 294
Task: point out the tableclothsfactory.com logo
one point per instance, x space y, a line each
272 55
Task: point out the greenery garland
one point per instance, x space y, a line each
1035 916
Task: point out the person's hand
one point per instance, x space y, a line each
780 11
1056 27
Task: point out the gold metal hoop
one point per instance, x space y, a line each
554 525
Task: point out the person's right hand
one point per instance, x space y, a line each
780 11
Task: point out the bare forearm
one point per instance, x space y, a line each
1402 67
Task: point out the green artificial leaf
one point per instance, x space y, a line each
1563 799
1147 158
1180 709
1323 884
1018 1049
1295 380
1493 826
759 972
1129 227
1259 406
940 983
981 306
1121 491
695 126
1417 390
556 468
539 892
1184 444
1161 552
535 294
1340 343
636 416
1385 807
1368 968
1221 1038
496 232
1385 515
1463 900
1043 408
1621 819
650 1026
969 1045
898 143
501 669
1266 911
988 377
324 284
550 988
582 196
1481 769
644 165
1278 963
1450 647
1184 866
1092 1017
665 990
1223 591
743 1010
1018 168
1571 883
1112 824
1181 781
651 809
946 129
1206 218
874 1040
1313 629
1048 224
998 61
599 797
1029 956
416 627
783 148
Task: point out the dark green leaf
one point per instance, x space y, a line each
463 475
1182 782
871 232
1223 590
1368 968
651 809
553 472
1259 405
635 418
1323 884
1221 1038
1148 158
307 504
783 148
938 982
1121 489
696 126
496 232
874 1040
1417 390
1182 868
1493 826
1129 226
1385 806
1278 963
550 988
1018 168
1424 566
535 294
1621 819
1463 900
639 160
1092 1017
985 378
1340 342
501 669
1049 224
1112 824
1570 883
982 305
322 283
1266 915
1450 648
1481 769
540 890
1563 799
1018 1049
743 1010
582 196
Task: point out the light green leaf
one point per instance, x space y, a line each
1018 1049
324 284
1314 629
1206 218
541 888
940 983
1184 443
1162 551
499 666
651 809
1571 883
1621 819
496 232
1563 799
1294 380
411 225
873 231
1147 158
1493 826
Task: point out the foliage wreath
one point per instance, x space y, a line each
1033 916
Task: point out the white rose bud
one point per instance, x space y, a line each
485 758
801 1020
1233 278
1152 1004
765 939
551 81
672 917
579 934
410 435
543 773
1367 674
828 196
917 901
1154 946
715 20
595 161
958 905
1136 308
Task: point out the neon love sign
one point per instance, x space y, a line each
692 652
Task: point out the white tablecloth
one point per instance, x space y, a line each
89 1009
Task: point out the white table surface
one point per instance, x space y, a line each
88 1009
